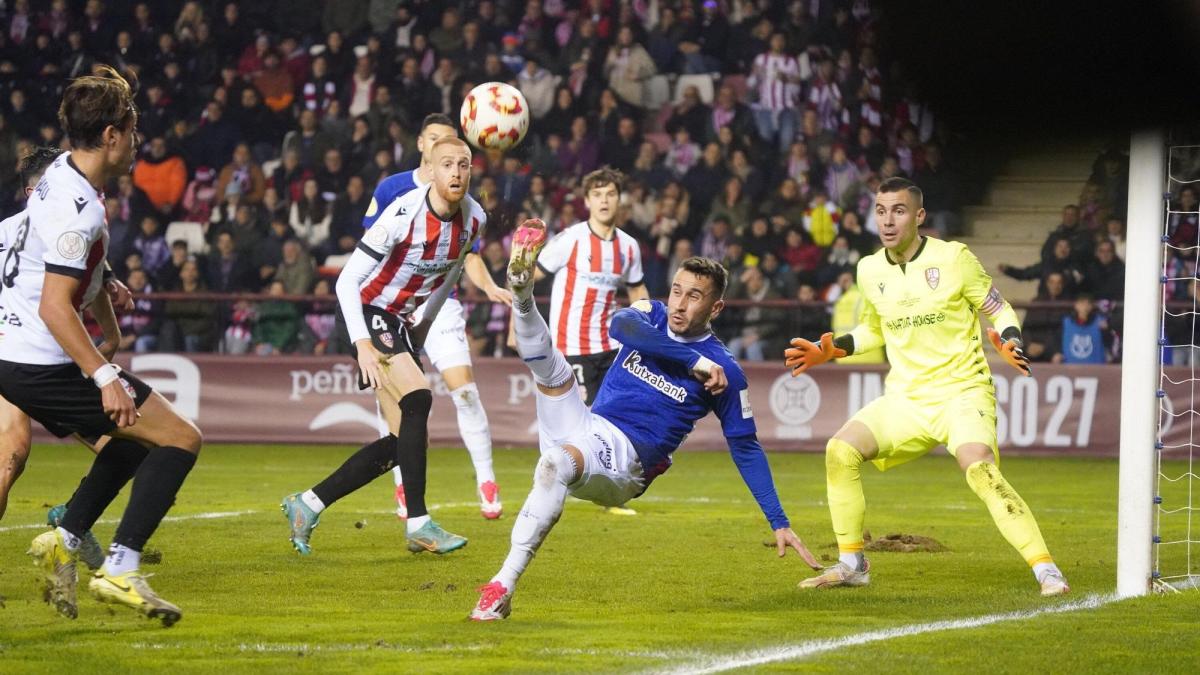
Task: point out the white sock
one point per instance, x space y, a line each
853 560
413 524
121 559
1040 570
397 476
549 367
69 540
476 434
312 501
538 515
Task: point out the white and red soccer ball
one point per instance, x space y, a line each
494 116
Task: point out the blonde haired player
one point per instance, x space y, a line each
922 300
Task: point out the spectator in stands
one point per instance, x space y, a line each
1105 275
628 68
268 253
859 239
258 125
277 324
167 278
942 194
316 334
731 205
1093 210
727 111
140 326
758 240
775 80
690 113
120 236
821 218
1180 328
1042 327
847 310
243 175
648 169
310 216
682 154
1111 173
538 85
842 178
213 143
705 42
200 195
162 176
345 223
1081 239
1061 261
1114 231
800 254
579 154
190 325
621 151
558 119
296 269
308 142
229 270
717 237
1086 337
332 176
1183 222
841 258
759 327
753 181
150 243
705 178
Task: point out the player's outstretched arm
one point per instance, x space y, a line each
752 464
477 272
803 354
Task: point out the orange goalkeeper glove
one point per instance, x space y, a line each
1010 350
803 354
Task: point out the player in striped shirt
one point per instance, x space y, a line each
411 256
447 347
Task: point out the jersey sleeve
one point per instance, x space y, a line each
633 271
732 406
69 241
982 295
384 233
554 256
388 190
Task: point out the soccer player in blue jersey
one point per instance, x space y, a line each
670 363
446 340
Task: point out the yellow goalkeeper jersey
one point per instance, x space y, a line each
926 312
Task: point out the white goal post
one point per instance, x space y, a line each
1140 364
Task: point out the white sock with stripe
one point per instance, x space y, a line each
549 367
475 431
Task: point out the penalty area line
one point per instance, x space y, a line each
758 657
212 515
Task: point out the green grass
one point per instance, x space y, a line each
687 579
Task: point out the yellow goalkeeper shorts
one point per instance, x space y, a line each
906 428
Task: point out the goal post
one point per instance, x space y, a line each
1142 357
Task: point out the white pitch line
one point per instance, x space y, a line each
720 664
212 515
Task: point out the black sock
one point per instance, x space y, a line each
116 463
364 466
412 444
158 479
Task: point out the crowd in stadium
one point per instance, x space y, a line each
750 131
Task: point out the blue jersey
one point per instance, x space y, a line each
657 402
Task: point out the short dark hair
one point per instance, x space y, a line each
437 118
709 268
601 177
35 164
898 184
93 103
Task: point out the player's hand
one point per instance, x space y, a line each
370 363
119 295
501 295
803 354
784 537
1011 351
118 404
712 375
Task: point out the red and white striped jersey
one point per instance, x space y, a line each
587 271
414 249
775 78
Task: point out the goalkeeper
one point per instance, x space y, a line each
921 300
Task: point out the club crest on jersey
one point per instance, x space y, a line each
386 339
932 276
71 245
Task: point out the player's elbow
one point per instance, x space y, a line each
623 322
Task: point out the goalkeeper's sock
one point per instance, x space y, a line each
1011 513
847 505
549 367
538 515
1041 570
476 434
359 469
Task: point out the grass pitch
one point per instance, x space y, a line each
683 586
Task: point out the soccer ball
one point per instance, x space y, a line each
494 116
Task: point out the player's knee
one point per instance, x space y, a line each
190 438
416 405
556 466
841 455
466 397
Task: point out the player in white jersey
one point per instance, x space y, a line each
411 256
590 261
45 349
446 345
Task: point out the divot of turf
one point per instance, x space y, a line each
906 543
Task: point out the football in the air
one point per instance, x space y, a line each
494 116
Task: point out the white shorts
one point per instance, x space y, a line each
611 472
446 345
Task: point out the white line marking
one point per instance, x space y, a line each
112 521
720 664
